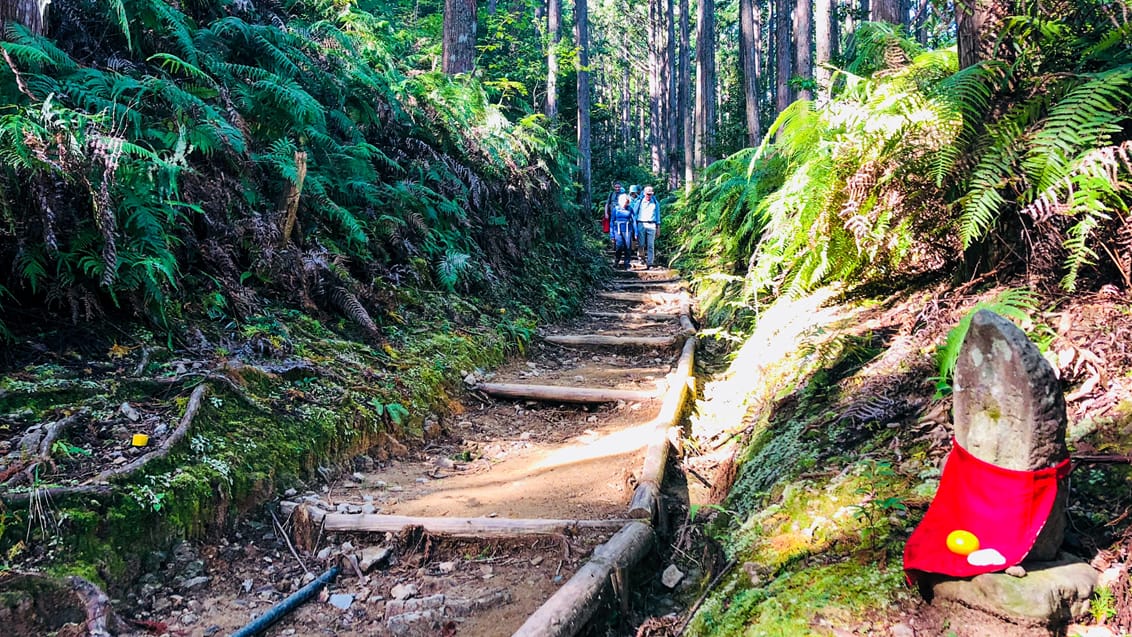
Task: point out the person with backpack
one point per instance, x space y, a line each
648 226
623 226
610 204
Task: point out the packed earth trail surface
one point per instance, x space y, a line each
492 459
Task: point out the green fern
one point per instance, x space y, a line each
1017 304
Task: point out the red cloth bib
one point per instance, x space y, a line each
1005 509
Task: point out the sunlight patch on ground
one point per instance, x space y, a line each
593 446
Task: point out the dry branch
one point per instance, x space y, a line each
26 467
23 497
556 393
568 610
454 527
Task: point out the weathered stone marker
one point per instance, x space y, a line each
1009 411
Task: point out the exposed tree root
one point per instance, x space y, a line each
62 601
96 486
166 445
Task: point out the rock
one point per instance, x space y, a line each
188 619
413 624
1016 571
196 582
446 567
368 509
341 601
403 591
400 607
470 380
129 412
1009 411
246 586
671 576
902 630
465 607
324 554
1051 594
373 556
290 493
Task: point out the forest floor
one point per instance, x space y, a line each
493 459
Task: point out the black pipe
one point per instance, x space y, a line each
276 612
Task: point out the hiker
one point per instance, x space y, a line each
610 204
622 226
648 226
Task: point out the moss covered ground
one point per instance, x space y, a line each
838 430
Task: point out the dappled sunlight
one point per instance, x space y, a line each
781 329
593 446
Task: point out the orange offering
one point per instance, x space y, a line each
962 542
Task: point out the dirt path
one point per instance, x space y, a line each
495 459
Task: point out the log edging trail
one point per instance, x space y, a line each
568 610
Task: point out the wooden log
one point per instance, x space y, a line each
638 297
453 527
646 498
560 394
600 340
568 610
629 316
686 316
647 282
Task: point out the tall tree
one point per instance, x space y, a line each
655 28
32 14
553 34
823 45
459 54
885 11
685 95
803 41
782 54
750 45
705 82
672 124
978 24
582 37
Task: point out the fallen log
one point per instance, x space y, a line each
453 527
557 393
599 340
568 610
639 297
647 282
646 497
629 316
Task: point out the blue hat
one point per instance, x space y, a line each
634 189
